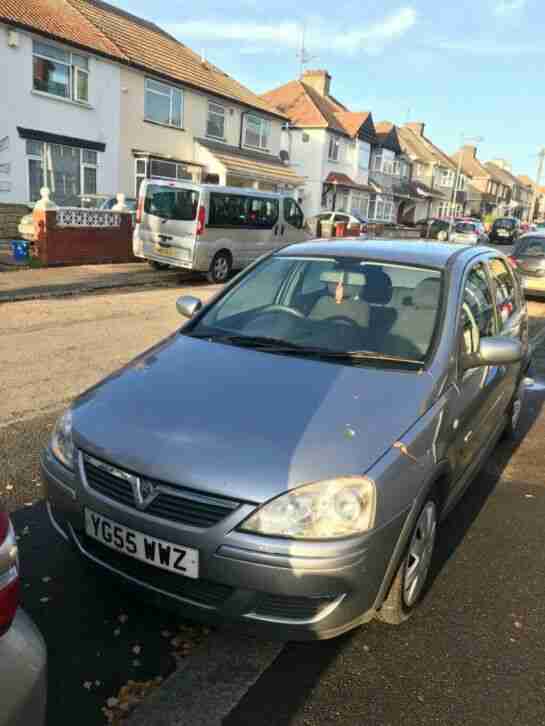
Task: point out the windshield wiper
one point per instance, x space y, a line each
277 345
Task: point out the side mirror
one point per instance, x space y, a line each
496 351
187 305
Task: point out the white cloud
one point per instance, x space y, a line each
319 34
507 8
486 48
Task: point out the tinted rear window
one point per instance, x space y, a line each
232 210
171 203
505 223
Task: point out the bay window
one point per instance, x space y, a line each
69 172
163 104
60 72
256 132
364 153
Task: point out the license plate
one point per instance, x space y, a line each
503 233
165 555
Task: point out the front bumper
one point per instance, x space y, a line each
278 588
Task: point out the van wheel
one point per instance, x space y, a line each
157 265
412 575
220 268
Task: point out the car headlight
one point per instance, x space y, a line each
323 510
62 445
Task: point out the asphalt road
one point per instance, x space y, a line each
474 654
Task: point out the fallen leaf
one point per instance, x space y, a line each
123 619
112 702
166 633
136 649
87 685
9 487
136 663
98 683
45 599
518 624
117 632
46 579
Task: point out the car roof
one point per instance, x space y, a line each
406 252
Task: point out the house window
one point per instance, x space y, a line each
215 124
445 177
160 169
360 204
257 132
377 162
60 72
334 153
364 153
141 173
163 104
69 172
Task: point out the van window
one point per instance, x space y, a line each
171 203
233 210
292 213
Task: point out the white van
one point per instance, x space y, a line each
212 229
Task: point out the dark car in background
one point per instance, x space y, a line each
434 228
528 258
505 230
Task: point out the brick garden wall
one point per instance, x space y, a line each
81 245
10 216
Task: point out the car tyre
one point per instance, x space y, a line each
412 575
220 268
514 412
157 265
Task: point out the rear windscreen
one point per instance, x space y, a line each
505 223
171 202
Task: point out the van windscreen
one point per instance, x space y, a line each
171 202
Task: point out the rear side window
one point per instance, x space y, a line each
533 247
232 210
506 300
171 203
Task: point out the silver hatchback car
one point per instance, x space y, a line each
285 458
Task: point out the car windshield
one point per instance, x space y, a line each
341 306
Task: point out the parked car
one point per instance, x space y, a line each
434 228
212 229
23 660
505 230
281 461
468 233
353 220
528 258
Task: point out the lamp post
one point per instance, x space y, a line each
464 139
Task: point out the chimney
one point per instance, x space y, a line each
319 80
416 127
469 150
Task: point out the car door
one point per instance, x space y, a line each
475 413
293 222
530 259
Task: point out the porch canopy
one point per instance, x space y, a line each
253 166
343 180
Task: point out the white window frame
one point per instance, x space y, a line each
43 157
364 156
170 96
73 71
213 110
334 150
264 132
376 163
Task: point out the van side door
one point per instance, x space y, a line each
293 223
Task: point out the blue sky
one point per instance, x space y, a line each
473 67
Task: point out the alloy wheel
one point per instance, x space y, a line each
420 554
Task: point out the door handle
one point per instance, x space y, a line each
276 231
282 229
468 436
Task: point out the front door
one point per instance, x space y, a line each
478 407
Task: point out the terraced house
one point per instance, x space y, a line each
520 194
434 175
334 149
490 194
96 99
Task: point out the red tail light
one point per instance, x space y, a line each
140 209
9 578
513 261
201 220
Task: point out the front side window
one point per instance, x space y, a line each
325 304
257 132
60 72
163 104
234 210
215 124
171 203
293 214
506 300
477 319
532 247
